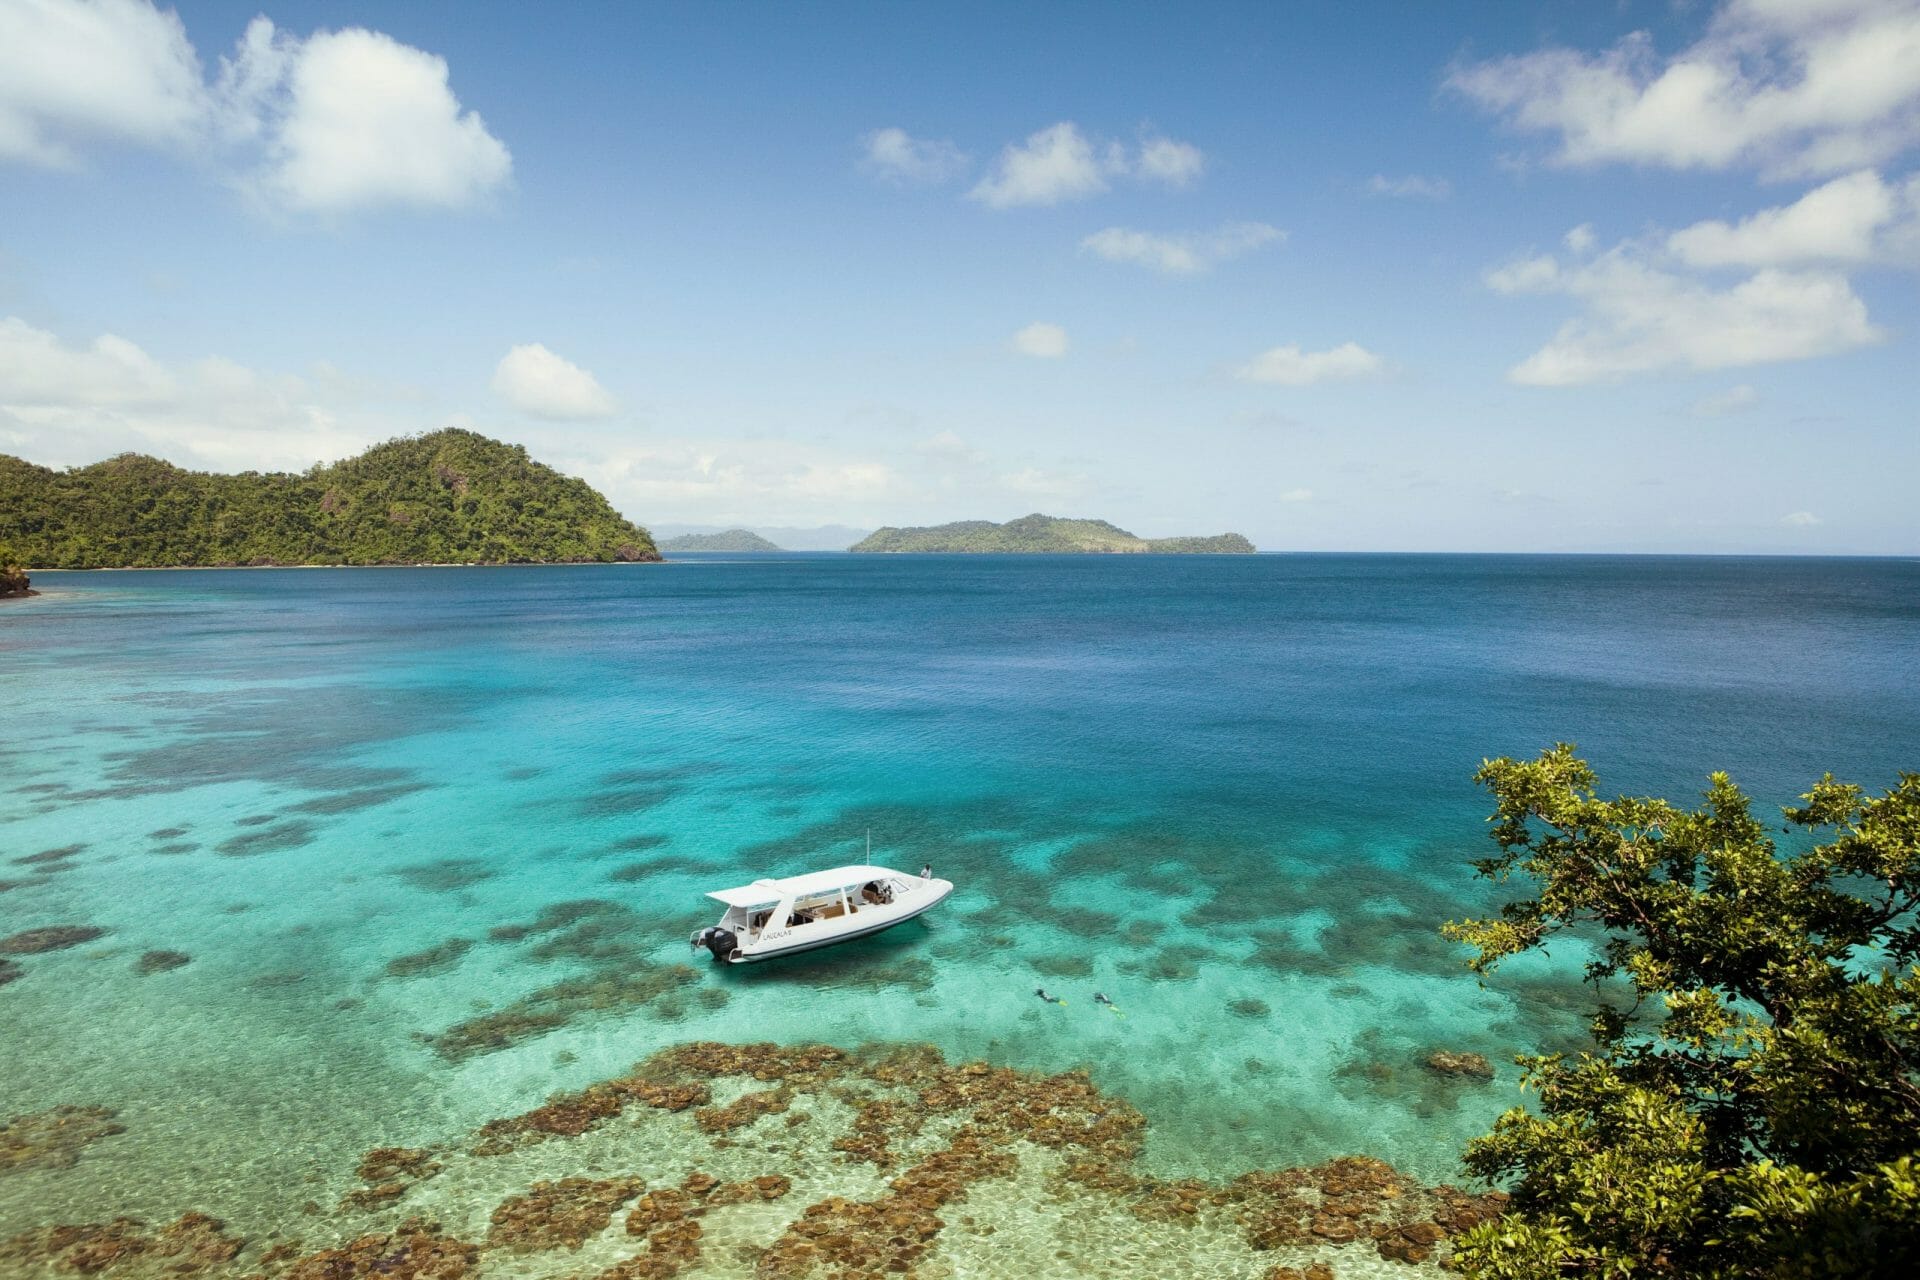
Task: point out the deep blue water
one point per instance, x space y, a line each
1234 794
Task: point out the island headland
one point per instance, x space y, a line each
728 540
1041 534
446 497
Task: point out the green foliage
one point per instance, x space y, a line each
1751 1106
731 540
13 571
1043 534
451 497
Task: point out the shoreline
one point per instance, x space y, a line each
423 564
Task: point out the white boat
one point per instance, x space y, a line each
779 917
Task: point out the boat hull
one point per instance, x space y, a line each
794 946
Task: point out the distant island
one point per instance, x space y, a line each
821 537
730 540
1038 534
447 497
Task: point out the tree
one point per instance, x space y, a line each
1751 1103
13 572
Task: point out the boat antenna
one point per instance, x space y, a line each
869 844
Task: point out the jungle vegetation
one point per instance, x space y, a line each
727 540
1750 1105
448 497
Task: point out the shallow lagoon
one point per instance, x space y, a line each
433 839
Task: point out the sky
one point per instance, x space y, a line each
1563 276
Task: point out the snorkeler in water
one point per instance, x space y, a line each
1042 993
1099 998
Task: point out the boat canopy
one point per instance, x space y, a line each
765 893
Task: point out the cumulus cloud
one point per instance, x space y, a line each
1181 254
735 480
74 74
1289 366
1059 163
537 382
1174 163
1801 519
1721 403
1788 87
896 156
1852 219
336 122
1055 164
1642 317
361 120
65 403
1412 187
1581 239
1041 340
1297 495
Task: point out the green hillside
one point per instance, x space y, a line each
730 540
449 497
1038 534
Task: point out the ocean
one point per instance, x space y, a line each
428 844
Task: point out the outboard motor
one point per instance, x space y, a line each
721 942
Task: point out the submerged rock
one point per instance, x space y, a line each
1441 1062
416 1250
160 961
56 937
192 1243
54 1138
10 972
554 1214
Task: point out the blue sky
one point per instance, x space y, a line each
1559 276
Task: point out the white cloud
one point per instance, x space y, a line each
364 121
896 156
536 381
1297 495
1041 340
1289 366
738 481
336 122
1642 318
66 404
1787 86
1845 220
1181 254
113 71
1412 187
1721 403
1174 163
949 447
1581 239
1059 163
1801 519
1055 164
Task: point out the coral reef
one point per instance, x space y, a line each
554 1214
192 1243
53 1138
56 937
558 1005
160 961
442 955
415 1250
933 1130
1441 1062
10 972
389 1173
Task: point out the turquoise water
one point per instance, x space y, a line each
1233 794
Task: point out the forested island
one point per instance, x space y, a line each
447 497
1040 534
728 540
